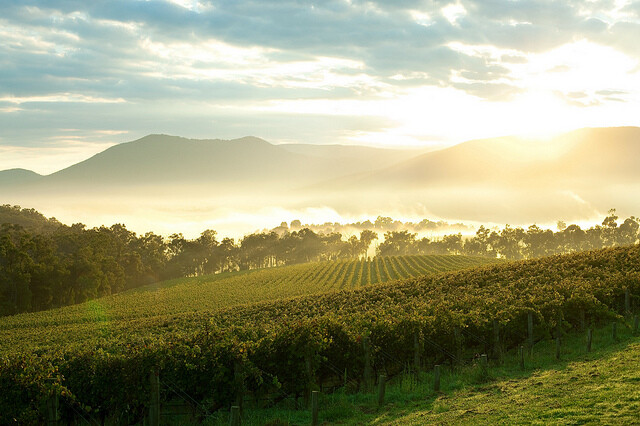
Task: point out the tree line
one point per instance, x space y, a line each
46 264
518 243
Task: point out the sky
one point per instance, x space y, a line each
79 76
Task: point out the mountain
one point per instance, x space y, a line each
168 183
246 162
578 157
161 159
17 177
574 176
358 157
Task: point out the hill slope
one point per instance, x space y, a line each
29 219
282 347
599 388
125 312
14 177
593 154
252 162
574 176
161 181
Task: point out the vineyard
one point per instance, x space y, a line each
135 312
97 357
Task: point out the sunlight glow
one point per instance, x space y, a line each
61 97
453 13
220 61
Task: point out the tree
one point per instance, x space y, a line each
609 226
628 231
397 243
366 238
452 243
539 242
478 245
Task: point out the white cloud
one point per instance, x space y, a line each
61 97
422 68
453 13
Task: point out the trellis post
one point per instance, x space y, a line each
436 378
367 362
382 381
530 330
314 407
154 406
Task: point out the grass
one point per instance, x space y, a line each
602 386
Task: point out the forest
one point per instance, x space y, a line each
46 264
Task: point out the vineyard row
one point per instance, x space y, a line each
291 346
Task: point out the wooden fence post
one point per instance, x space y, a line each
458 340
416 352
53 413
314 407
238 384
627 301
382 381
436 378
530 330
559 323
521 357
234 416
309 378
367 362
497 352
154 406
589 339
484 367
345 378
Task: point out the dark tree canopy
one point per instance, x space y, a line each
45 264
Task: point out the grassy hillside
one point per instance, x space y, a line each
131 312
580 388
282 349
602 389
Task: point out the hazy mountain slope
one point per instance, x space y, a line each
598 154
361 157
574 176
249 161
576 156
17 177
166 183
161 159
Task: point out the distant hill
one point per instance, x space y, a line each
29 219
18 177
577 157
574 176
166 182
357 157
244 162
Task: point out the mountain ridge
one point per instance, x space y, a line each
575 176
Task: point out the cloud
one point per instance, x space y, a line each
203 61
